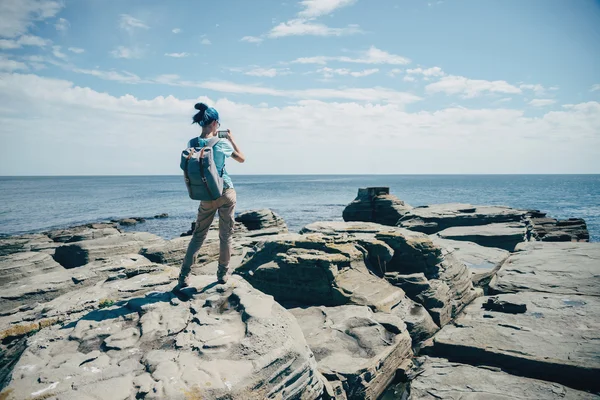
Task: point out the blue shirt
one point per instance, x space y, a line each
221 151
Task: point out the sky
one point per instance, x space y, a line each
108 87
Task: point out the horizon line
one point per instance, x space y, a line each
347 174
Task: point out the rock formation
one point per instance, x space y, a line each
341 310
375 204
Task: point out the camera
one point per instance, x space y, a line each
223 134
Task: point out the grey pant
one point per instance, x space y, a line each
225 205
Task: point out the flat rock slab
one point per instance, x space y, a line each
566 268
440 379
483 262
26 243
25 264
223 341
555 339
350 342
437 217
502 235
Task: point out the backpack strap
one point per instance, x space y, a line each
211 143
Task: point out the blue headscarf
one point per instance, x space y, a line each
206 115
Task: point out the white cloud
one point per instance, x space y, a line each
317 8
126 52
62 25
537 88
7 64
205 42
17 16
408 78
313 60
301 27
267 72
25 40
541 102
372 94
57 53
76 50
371 56
595 87
394 72
130 24
176 30
434 71
469 88
123 77
251 39
177 55
80 120
330 72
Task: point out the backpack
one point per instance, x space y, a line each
202 179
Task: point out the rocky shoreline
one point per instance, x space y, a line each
446 301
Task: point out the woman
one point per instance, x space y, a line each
208 119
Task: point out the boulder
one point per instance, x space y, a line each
355 346
437 378
483 262
128 222
564 268
162 215
375 204
547 229
224 341
555 339
444 286
499 235
80 253
316 270
261 219
437 217
26 243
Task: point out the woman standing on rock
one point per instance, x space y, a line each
208 119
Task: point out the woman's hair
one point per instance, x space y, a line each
205 115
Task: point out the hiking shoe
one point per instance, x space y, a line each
180 286
223 275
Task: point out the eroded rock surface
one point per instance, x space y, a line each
555 339
566 268
500 235
437 378
437 217
483 262
355 346
376 204
444 285
224 341
316 270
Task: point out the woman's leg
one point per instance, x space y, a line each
206 215
226 225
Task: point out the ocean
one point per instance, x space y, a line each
33 204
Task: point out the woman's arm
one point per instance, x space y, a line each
237 153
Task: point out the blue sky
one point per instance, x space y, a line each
414 86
